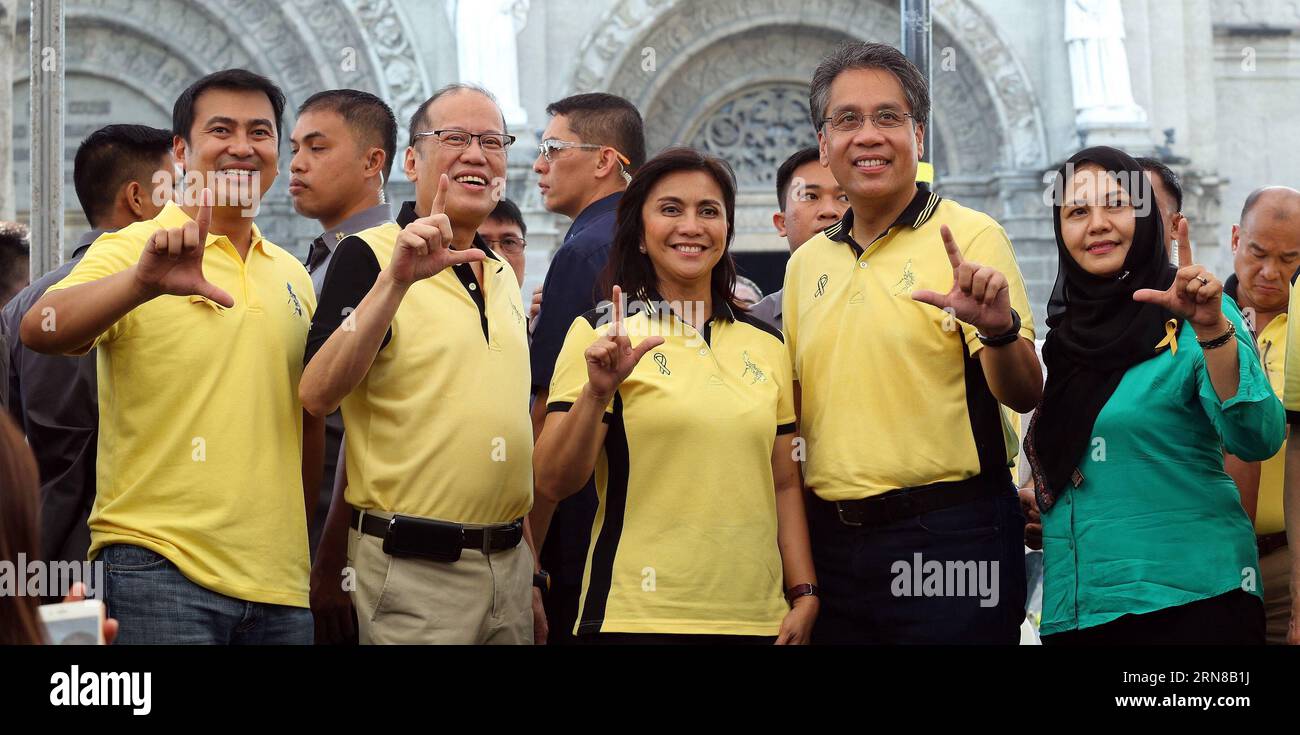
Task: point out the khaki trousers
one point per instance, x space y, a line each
478 599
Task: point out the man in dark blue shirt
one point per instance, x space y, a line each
588 153
122 175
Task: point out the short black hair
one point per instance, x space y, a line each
369 117
14 248
605 119
508 211
632 269
237 79
864 55
113 156
417 118
785 174
1167 176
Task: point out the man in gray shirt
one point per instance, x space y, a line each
810 200
122 174
343 146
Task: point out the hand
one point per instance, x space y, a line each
611 358
172 259
540 627
534 309
77 594
424 246
331 606
797 625
1195 295
1033 519
979 294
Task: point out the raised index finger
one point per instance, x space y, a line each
949 244
618 311
1184 245
205 215
440 198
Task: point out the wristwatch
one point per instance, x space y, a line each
542 581
1001 340
801 590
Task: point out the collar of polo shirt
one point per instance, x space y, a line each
646 300
917 213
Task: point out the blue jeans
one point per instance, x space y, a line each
154 603
876 590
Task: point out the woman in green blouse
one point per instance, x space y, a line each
1144 536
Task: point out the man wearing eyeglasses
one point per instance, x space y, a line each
907 323
422 340
589 150
504 232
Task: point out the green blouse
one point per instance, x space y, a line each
1156 522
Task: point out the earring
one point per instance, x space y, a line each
642 249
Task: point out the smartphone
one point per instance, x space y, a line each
74 623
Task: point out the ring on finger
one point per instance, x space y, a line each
1204 281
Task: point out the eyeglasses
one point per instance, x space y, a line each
512 245
461 139
848 121
549 146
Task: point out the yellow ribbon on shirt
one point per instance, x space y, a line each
1171 337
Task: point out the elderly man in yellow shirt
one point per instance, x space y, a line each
1266 252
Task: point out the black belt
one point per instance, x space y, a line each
439 540
909 502
1271 542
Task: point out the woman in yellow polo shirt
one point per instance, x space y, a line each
700 536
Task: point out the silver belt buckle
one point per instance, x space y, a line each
839 511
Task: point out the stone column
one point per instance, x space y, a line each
47 63
8 22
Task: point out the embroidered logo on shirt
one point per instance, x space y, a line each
821 286
907 282
519 316
662 359
293 299
750 367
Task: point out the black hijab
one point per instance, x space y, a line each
1097 330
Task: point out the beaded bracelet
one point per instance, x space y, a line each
1219 341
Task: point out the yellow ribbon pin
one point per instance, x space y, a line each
1171 337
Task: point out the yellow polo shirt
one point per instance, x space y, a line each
439 427
200 428
892 390
684 539
1272 345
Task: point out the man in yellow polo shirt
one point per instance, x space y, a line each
421 338
916 528
1266 254
199 323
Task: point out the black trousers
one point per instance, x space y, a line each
955 575
1235 618
561 604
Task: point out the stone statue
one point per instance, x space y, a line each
485 37
1094 35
